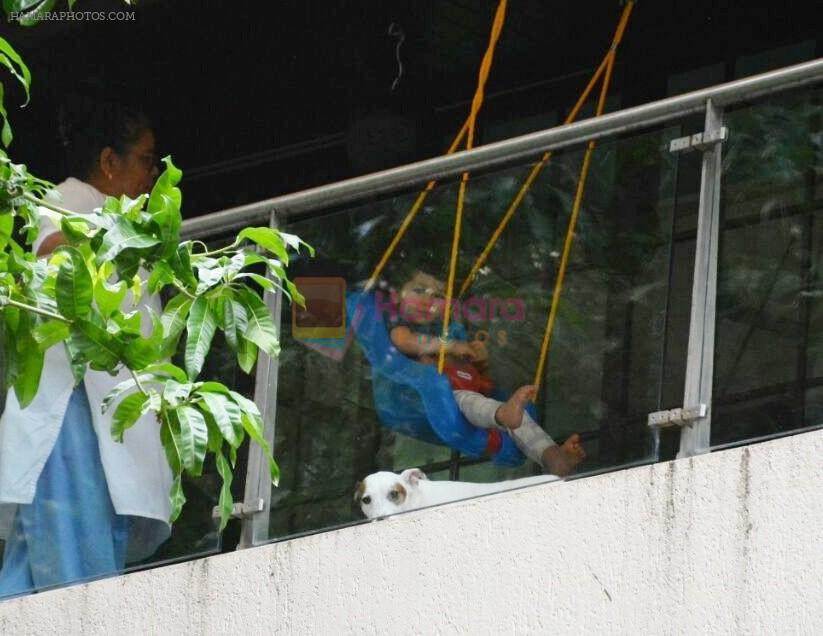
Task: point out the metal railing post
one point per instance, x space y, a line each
695 435
257 499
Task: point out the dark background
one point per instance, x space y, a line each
253 100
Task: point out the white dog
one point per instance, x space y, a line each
386 493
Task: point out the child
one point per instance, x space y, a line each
418 334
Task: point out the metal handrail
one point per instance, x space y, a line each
293 205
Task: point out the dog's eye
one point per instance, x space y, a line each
394 495
366 500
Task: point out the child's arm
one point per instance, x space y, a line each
417 344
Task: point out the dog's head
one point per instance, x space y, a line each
385 493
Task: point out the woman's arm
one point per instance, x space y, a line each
51 243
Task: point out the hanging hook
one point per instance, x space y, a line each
396 32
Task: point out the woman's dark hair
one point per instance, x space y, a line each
86 126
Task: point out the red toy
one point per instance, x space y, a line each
464 376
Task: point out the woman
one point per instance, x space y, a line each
79 499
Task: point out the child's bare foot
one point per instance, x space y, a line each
510 413
561 460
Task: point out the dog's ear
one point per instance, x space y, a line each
359 487
412 475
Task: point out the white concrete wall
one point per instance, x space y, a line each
728 543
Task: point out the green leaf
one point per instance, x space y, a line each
122 236
225 503
180 263
5 135
226 415
127 263
200 327
194 436
97 345
74 286
174 316
264 282
175 393
249 406
234 322
168 440
78 364
208 277
6 228
108 298
131 208
153 404
120 388
12 61
235 264
126 414
141 352
268 239
76 230
130 323
260 330
29 368
49 333
165 190
294 242
254 431
166 370
213 387
161 275
34 13
178 499
246 354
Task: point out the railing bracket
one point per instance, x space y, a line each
699 141
240 510
677 417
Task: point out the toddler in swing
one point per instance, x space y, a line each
417 332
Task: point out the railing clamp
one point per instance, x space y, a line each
677 417
699 141
241 510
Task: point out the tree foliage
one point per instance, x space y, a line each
84 297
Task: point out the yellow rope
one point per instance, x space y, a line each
477 102
578 199
538 167
404 226
518 198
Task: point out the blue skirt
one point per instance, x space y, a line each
70 532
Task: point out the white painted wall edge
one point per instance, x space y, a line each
727 543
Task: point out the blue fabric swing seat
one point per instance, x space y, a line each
412 398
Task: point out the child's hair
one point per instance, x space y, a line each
86 126
399 273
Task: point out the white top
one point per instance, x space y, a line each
137 473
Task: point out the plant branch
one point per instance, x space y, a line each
37 310
219 251
137 382
55 208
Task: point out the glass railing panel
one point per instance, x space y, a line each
768 361
604 371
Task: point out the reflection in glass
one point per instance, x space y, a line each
603 374
768 363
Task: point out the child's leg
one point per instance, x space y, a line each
532 440
536 444
477 408
486 413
